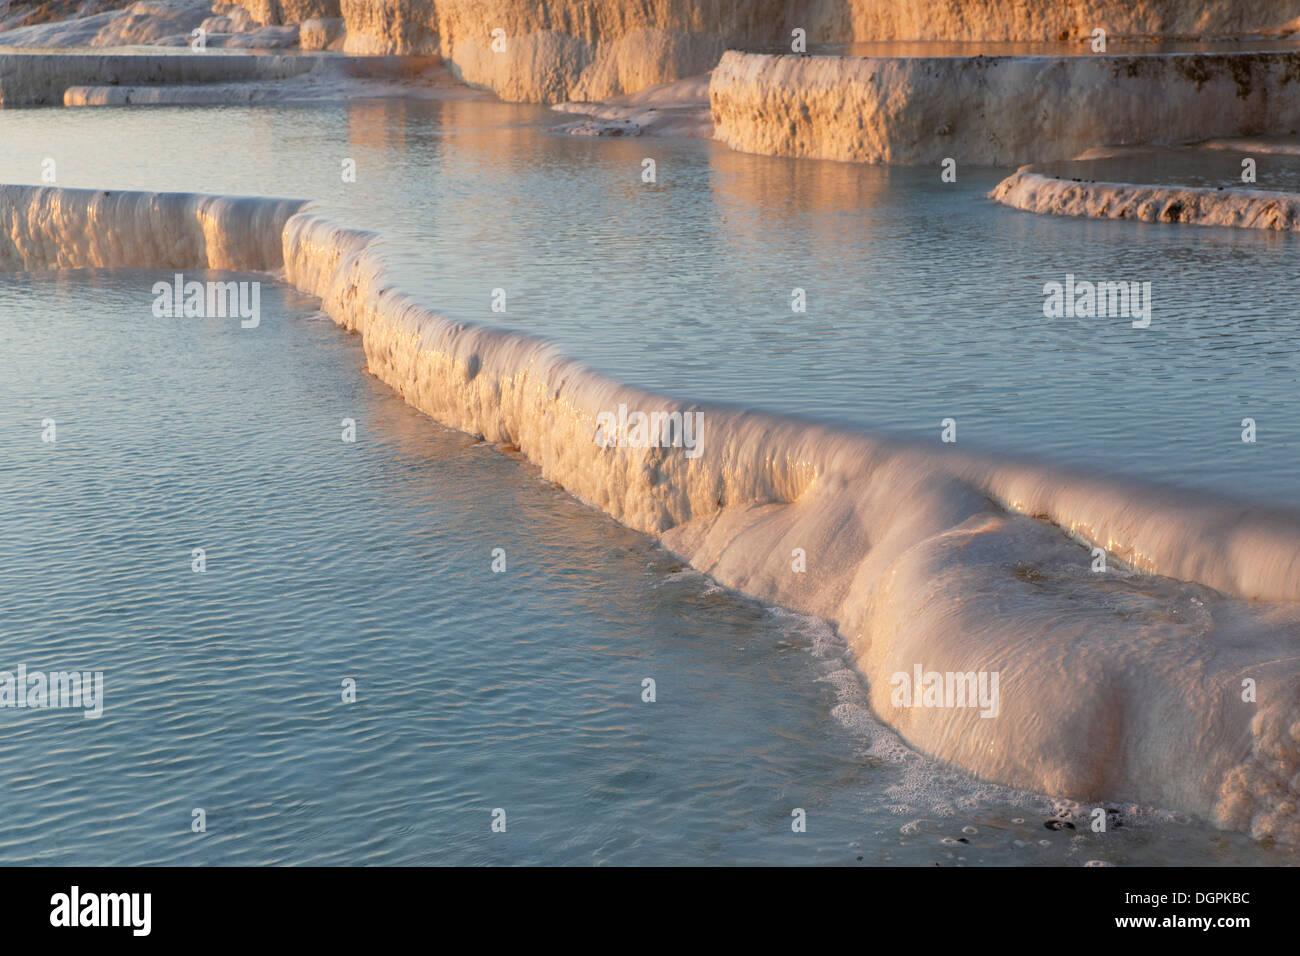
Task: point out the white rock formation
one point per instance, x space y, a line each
54 228
333 80
592 50
995 111
680 108
557 50
145 22
1245 208
27 80
322 33
1117 685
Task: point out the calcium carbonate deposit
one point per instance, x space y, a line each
1247 208
1169 681
965 563
994 111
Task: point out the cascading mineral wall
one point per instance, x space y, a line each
1242 208
594 49
553 50
276 12
995 111
46 227
1059 19
565 49
28 79
921 559
389 26
1114 685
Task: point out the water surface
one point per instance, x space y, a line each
924 298
371 560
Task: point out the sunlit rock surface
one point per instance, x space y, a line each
995 111
556 50
1245 208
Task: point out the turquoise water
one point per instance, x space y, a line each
476 690
372 560
924 298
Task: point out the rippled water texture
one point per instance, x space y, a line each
371 561
924 299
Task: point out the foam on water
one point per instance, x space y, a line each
1117 686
